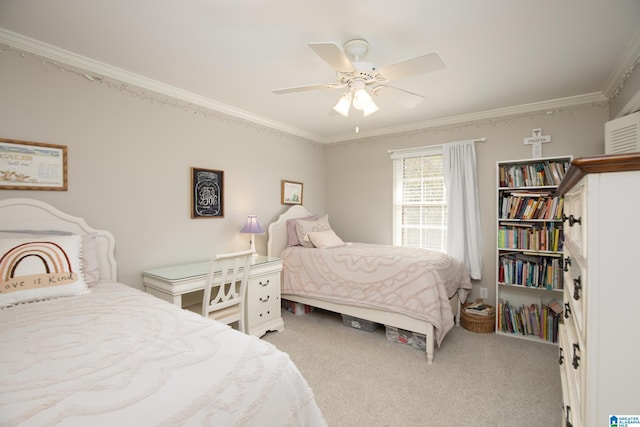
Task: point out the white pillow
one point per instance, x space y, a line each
325 239
304 227
33 269
292 235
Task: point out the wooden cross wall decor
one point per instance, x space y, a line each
536 140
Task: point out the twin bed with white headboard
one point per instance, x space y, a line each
413 289
81 349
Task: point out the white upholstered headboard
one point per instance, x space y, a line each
29 214
277 230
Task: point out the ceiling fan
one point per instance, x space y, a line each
363 80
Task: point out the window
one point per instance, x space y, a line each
419 199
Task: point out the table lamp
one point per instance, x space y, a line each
252 226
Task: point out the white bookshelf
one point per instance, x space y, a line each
529 242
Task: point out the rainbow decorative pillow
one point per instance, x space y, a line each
46 267
89 257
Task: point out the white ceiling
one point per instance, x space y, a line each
229 55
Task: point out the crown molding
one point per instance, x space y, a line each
53 53
621 72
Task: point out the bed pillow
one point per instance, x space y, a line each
89 256
325 239
33 269
291 229
303 228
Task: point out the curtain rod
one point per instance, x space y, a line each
483 139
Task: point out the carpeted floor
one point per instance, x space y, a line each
361 379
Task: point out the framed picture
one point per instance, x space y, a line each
207 193
291 193
32 166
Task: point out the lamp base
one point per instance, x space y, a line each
253 246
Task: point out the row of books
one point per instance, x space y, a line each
538 320
543 173
532 237
530 206
530 271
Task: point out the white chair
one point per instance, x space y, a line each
227 282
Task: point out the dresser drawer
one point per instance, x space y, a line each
574 220
570 387
572 365
575 293
570 402
263 298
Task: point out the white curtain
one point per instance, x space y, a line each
464 237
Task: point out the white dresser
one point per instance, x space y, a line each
599 342
183 286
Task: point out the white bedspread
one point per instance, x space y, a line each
120 357
414 282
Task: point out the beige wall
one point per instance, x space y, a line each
129 163
359 174
130 159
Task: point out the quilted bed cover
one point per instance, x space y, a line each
410 281
120 357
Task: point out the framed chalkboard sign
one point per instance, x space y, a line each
207 193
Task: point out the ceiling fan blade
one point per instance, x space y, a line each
306 88
399 96
333 55
411 67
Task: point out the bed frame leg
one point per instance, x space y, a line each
430 344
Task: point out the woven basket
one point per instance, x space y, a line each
477 322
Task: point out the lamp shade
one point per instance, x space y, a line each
252 225
343 105
370 109
361 99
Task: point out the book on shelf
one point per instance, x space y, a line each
555 306
534 174
530 270
532 237
534 205
537 320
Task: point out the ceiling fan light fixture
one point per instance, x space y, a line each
362 99
343 105
370 109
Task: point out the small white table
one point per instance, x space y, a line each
183 285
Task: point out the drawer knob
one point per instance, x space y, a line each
567 310
561 359
264 284
577 287
572 220
265 299
576 357
568 416
567 263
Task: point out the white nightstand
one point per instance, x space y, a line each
183 285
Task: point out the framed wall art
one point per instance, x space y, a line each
28 165
207 193
291 193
